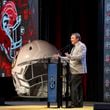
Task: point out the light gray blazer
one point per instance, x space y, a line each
77 59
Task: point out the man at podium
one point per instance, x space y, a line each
77 65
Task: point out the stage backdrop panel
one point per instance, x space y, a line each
18 25
106 50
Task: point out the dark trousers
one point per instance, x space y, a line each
76 89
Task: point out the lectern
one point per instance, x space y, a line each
55 83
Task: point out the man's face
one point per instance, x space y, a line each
74 39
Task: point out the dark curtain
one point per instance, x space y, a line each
60 18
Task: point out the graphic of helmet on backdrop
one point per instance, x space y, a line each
11 36
18 25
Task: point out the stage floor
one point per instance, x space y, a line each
41 106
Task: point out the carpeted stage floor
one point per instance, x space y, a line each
40 106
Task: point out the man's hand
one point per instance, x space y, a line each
67 55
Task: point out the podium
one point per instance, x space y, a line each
55 83
55 76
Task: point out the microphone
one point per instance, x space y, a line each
64 48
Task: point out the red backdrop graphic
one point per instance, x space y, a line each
17 27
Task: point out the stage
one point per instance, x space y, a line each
40 106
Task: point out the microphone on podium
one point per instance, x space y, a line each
60 51
64 48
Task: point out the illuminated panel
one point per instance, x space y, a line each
10 21
18 25
107 50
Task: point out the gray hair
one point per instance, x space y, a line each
77 35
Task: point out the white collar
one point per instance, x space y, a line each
77 43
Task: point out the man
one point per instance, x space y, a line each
77 64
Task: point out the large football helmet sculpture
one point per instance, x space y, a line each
30 76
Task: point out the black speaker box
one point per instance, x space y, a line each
102 106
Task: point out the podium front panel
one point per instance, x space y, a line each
52 82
